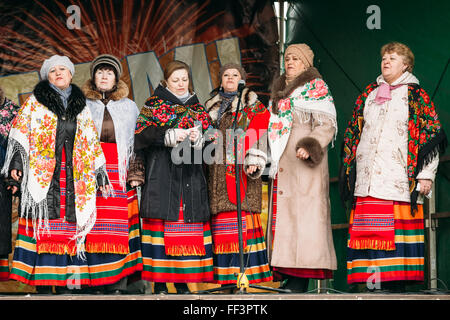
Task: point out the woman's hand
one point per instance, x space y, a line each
16 175
194 133
180 134
251 169
425 186
302 154
106 189
134 183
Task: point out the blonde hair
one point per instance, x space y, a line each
402 50
171 67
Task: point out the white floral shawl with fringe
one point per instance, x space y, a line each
308 97
33 135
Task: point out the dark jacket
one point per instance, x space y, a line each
5 195
166 183
65 137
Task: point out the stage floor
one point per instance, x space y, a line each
229 297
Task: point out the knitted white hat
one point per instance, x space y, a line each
53 61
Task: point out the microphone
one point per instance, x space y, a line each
241 85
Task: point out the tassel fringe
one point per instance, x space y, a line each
305 115
107 248
56 248
363 244
223 248
185 250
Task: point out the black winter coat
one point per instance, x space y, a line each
165 182
5 195
65 138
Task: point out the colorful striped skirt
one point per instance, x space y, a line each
4 268
256 265
50 266
404 263
280 273
176 267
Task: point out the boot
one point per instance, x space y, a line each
182 288
297 285
160 288
44 289
394 286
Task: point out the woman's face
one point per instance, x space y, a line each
178 82
60 77
392 66
293 66
230 80
104 79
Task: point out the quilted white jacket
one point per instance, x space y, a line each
381 155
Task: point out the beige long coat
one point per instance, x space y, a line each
303 235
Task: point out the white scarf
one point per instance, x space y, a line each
124 113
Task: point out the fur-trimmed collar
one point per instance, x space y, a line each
212 106
50 98
120 92
281 91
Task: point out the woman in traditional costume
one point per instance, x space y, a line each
114 241
390 157
8 111
54 153
252 121
176 235
302 126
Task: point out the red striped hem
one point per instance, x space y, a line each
178 278
387 276
110 280
61 283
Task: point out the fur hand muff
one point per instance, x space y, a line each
313 147
256 158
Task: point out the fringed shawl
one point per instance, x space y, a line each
308 96
33 135
124 113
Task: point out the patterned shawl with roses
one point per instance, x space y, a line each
33 135
159 112
426 138
311 99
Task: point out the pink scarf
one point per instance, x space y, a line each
384 92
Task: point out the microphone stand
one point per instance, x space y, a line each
242 282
